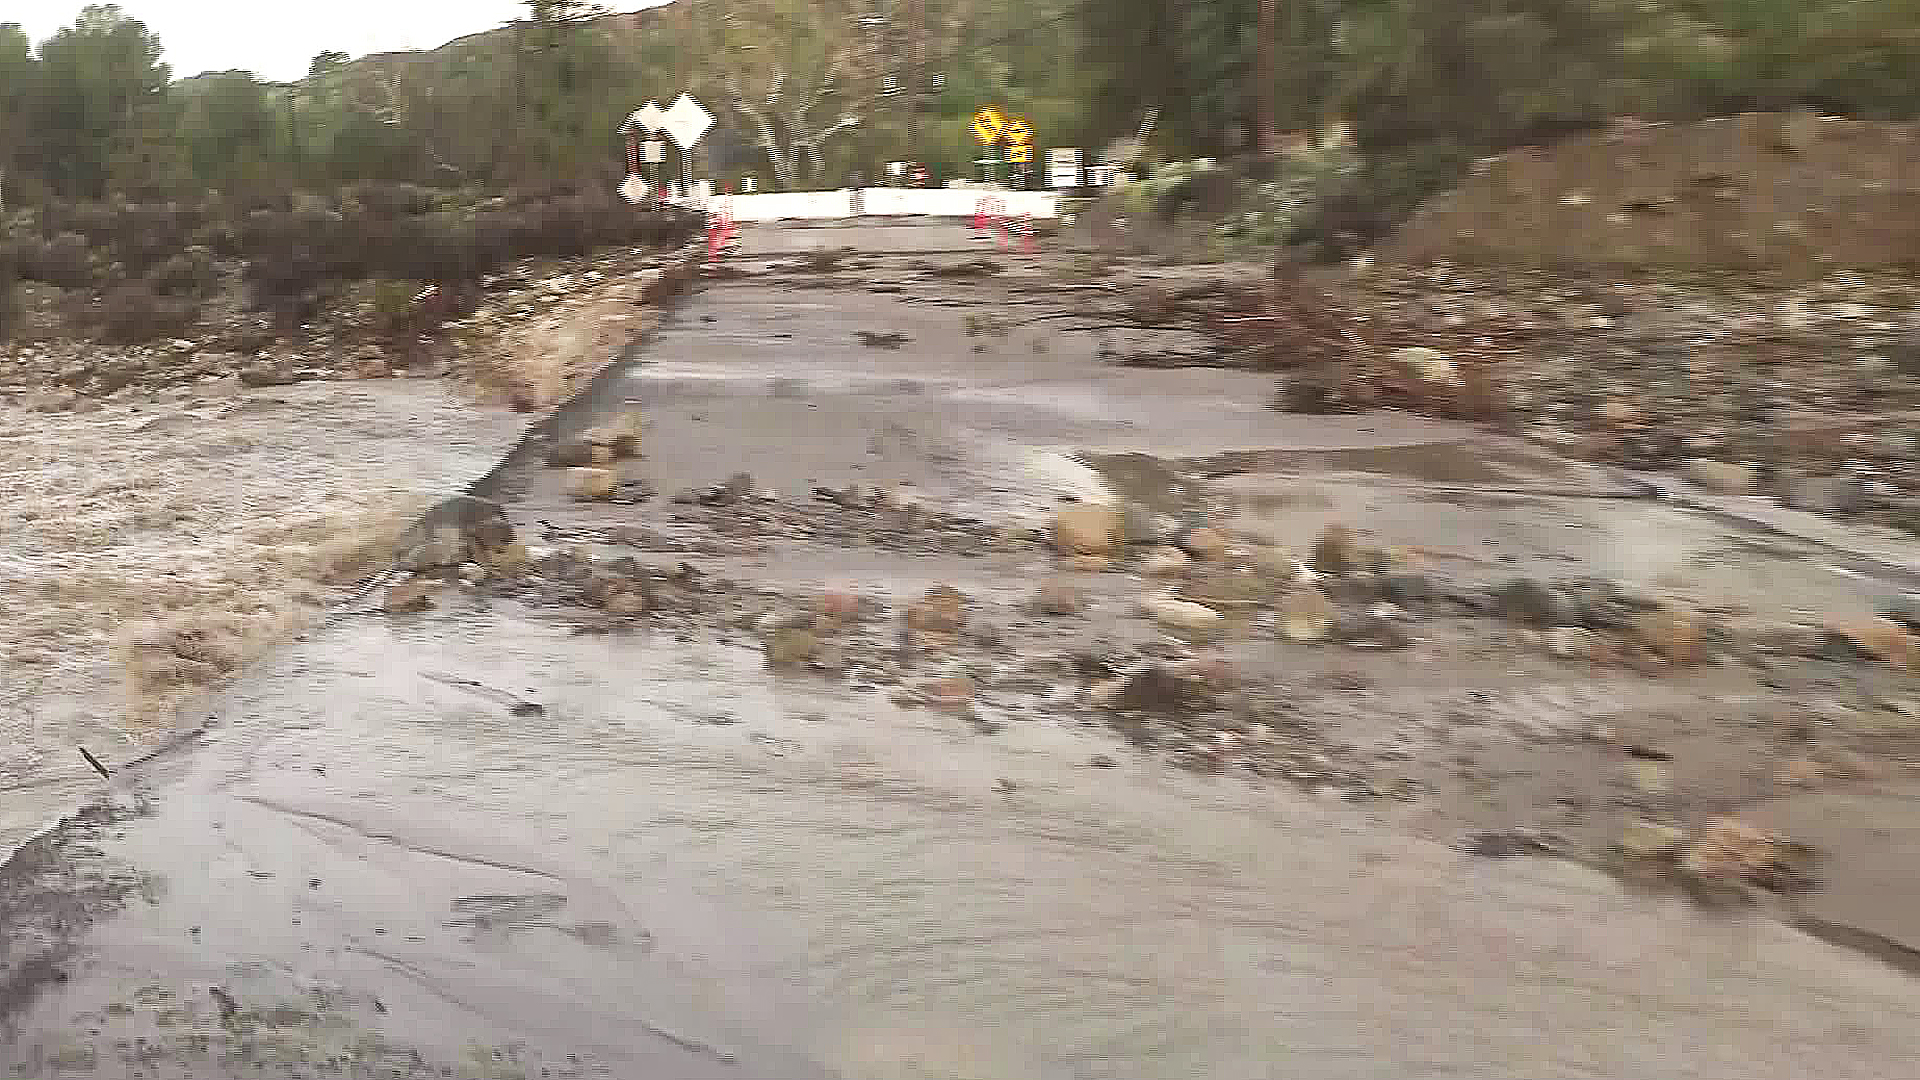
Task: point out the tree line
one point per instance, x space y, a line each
818 91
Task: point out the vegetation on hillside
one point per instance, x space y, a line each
814 92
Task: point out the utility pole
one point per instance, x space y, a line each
1263 76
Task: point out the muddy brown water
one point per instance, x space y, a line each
206 503
687 867
684 865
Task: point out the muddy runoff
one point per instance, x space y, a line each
846 787
169 512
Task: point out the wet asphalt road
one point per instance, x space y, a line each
686 866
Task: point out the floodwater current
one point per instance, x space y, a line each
685 866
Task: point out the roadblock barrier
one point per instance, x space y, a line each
883 202
720 226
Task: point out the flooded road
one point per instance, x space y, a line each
500 839
687 867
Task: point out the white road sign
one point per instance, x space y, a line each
1063 167
634 190
654 150
685 121
645 118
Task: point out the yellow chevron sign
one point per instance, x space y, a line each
988 125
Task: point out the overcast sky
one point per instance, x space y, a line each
276 40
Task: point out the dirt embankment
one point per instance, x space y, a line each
1794 191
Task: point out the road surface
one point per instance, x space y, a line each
383 859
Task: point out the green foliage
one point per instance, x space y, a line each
814 92
297 252
231 128
393 302
98 77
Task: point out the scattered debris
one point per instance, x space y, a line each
1335 551
942 610
1184 615
1059 598
1508 843
1728 851
792 645
592 485
1643 839
1086 529
1306 616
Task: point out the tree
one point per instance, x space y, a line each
325 63
230 128
19 83
1484 73
777 65
97 77
562 91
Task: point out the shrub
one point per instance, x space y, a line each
1361 203
193 272
9 300
134 313
65 261
393 302
287 284
293 254
405 308
390 200
1207 192
143 235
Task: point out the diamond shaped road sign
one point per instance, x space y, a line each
685 121
645 119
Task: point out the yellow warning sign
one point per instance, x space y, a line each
1020 153
1018 133
988 125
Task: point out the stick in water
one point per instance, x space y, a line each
95 762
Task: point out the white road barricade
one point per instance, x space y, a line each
885 202
809 205
954 202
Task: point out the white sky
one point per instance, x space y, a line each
276 40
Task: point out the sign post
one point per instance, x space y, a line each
1019 149
639 125
989 125
685 122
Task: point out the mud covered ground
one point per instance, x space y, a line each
920 701
1565 661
